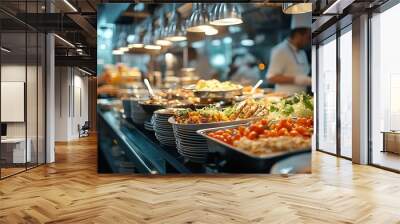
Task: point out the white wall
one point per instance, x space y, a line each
71 94
34 125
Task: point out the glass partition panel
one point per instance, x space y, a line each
41 99
346 93
32 98
385 89
14 153
327 96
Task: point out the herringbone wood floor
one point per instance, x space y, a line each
70 191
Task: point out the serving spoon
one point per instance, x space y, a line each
149 88
253 90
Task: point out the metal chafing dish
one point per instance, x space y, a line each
216 95
232 159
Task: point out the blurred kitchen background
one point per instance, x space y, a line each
125 32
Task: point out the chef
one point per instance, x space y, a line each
289 67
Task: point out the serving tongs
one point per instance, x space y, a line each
258 84
150 89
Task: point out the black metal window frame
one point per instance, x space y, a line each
333 37
44 80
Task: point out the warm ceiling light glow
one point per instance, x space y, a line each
165 43
152 47
124 49
135 45
199 20
65 41
175 38
70 5
117 52
212 31
227 22
201 28
226 14
188 69
296 8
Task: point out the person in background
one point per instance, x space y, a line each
244 69
289 67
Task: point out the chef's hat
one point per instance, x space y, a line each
301 20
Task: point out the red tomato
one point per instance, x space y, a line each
273 133
293 133
283 132
252 135
253 127
226 135
229 141
236 137
310 122
302 130
302 121
264 121
241 129
219 132
259 128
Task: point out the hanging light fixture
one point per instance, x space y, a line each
199 20
212 31
148 40
136 42
175 31
122 44
160 32
296 8
117 52
226 14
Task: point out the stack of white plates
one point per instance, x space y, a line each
148 125
162 128
190 144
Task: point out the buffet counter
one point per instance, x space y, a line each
128 148
125 148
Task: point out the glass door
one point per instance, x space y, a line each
385 89
326 87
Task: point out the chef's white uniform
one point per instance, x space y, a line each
286 59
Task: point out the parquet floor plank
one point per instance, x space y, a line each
71 191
